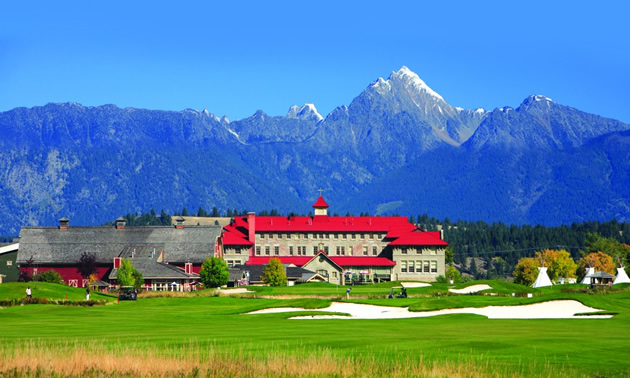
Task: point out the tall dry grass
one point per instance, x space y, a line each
74 359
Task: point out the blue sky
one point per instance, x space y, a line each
233 59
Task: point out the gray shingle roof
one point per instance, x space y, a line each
293 273
53 245
151 269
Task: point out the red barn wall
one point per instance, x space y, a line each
69 274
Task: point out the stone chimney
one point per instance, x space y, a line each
121 223
63 223
179 222
251 224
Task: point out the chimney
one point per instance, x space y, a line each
442 234
121 223
251 222
116 262
188 268
63 223
179 222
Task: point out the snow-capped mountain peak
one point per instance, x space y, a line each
413 82
533 99
306 112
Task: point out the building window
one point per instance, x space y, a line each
343 250
258 250
276 250
371 236
403 251
326 250
338 250
419 251
365 251
426 267
344 236
434 266
9 263
403 267
374 250
354 236
362 236
322 272
230 263
291 250
238 251
334 274
267 250
412 267
315 250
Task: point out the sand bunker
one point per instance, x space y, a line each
414 284
470 289
235 291
565 309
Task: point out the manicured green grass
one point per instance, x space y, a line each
573 347
50 291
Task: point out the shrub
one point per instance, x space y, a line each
50 276
453 274
441 279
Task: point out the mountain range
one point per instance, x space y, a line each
399 147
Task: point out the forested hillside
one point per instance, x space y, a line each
497 247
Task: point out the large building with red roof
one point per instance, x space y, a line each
366 249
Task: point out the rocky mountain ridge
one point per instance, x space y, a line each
398 147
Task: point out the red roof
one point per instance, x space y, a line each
320 203
233 238
419 238
324 223
396 229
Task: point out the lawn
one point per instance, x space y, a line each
209 335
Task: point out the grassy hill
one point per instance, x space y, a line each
50 291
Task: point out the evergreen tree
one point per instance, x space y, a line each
215 212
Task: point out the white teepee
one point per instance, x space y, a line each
587 278
622 276
543 278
